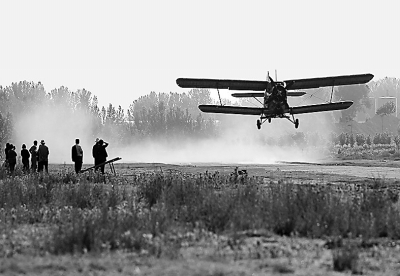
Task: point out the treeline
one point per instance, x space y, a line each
164 116
352 140
171 115
157 115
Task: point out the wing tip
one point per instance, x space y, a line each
185 82
370 76
179 81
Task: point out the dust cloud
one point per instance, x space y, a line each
239 140
58 129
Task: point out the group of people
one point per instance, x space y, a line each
99 154
39 157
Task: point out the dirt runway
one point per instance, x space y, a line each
319 173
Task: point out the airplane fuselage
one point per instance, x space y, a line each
275 99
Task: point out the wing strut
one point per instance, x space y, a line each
219 97
333 85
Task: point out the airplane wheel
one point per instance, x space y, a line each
296 123
258 124
269 120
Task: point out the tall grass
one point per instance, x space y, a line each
85 215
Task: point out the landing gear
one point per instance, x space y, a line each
261 121
293 120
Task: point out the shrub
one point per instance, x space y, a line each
396 140
382 138
351 139
360 139
346 258
368 140
95 216
342 139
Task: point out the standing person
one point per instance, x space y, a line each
77 156
33 152
43 153
94 153
6 164
25 158
101 154
6 150
12 158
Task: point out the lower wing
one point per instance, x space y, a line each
320 107
231 109
263 111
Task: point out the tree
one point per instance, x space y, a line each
385 87
6 129
83 100
61 97
358 94
25 97
386 109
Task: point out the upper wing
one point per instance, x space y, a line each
222 84
327 81
262 85
320 107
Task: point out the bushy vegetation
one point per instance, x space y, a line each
350 139
360 146
155 213
346 258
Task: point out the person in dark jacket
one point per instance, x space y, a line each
43 153
34 157
101 154
6 164
12 158
77 156
94 153
6 150
25 158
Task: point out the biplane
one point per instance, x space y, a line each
274 94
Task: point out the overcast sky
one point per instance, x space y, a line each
121 50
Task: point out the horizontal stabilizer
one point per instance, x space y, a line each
254 95
247 95
295 93
320 107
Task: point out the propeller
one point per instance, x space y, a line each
269 79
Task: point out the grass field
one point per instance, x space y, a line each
157 219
